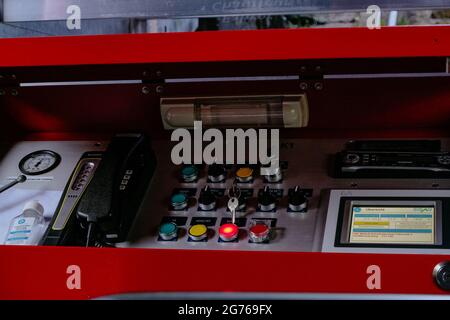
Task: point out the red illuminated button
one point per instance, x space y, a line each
228 232
259 232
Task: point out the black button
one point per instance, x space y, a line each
441 274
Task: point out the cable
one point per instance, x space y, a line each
90 230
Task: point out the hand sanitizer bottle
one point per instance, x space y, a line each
26 228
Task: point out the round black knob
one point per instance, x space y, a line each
207 199
266 200
351 158
441 274
216 173
297 200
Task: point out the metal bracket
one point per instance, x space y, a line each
311 77
153 81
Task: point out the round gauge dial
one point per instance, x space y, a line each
39 162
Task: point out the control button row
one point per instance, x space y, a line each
267 200
259 232
217 173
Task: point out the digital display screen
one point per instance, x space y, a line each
387 224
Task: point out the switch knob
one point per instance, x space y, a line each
179 201
216 173
266 200
297 200
272 175
228 232
168 231
207 200
189 173
198 232
244 174
259 232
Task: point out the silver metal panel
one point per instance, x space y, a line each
333 213
308 160
41 10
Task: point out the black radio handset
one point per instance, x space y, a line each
118 186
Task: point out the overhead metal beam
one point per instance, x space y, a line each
44 10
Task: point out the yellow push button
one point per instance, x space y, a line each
244 174
198 232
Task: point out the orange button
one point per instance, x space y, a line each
244 172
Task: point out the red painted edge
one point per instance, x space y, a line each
227 46
41 272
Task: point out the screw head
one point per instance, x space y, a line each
14 92
159 89
303 85
318 86
145 90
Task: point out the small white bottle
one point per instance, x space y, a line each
26 228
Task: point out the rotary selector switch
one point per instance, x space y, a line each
266 200
297 200
272 175
216 173
189 173
207 199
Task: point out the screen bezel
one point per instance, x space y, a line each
344 229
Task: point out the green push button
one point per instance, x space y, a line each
168 231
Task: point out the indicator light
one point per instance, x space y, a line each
228 232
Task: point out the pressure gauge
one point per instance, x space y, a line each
39 162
